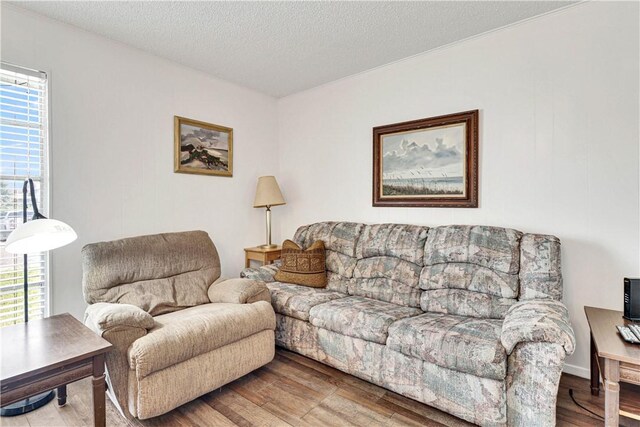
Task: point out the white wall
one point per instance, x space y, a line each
112 173
559 136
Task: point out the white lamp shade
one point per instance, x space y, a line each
268 193
39 235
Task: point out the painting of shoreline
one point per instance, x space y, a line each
427 163
202 148
424 163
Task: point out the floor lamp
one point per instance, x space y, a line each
38 235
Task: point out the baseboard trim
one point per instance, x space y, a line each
578 371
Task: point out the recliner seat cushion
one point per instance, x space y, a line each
359 317
296 301
460 343
184 334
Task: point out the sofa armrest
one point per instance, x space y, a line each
261 274
104 316
238 291
538 321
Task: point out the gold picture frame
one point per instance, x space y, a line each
202 148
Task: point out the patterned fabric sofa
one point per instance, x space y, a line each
467 319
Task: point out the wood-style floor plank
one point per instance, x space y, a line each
296 391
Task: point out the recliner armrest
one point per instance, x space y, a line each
121 325
238 291
105 316
538 321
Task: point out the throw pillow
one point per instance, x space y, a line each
304 267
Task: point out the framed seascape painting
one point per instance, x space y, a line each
427 163
202 148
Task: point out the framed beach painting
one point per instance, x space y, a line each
202 148
427 163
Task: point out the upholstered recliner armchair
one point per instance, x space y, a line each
178 330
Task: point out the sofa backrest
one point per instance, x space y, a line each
159 273
340 248
390 258
467 270
471 270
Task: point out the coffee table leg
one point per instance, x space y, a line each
595 371
611 392
99 409
62 395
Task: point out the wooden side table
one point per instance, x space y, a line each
263 255
621 360
50 353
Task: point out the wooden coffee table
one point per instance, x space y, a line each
621 360
50 353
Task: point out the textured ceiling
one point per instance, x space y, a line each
280 48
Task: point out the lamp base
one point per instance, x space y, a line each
268 246
27 405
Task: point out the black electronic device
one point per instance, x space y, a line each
632 299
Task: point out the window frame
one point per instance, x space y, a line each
45 181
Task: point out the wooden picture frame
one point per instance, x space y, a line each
430 162
202 148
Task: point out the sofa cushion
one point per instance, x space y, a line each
455 342
387 279
296 301
396 240
460 275
385 290
339 237
359 317
465 303
492 247
184 334
470 270
339 240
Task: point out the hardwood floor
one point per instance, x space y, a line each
296 391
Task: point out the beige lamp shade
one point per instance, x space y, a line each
268 193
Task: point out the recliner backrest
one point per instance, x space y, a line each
159 273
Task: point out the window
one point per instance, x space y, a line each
23 154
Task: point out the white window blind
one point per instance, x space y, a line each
23 154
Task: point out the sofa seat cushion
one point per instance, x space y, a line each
360 317
464 344
182 335
296 300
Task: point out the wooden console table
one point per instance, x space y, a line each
50 353
621 360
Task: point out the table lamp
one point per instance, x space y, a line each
267 195
38 235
